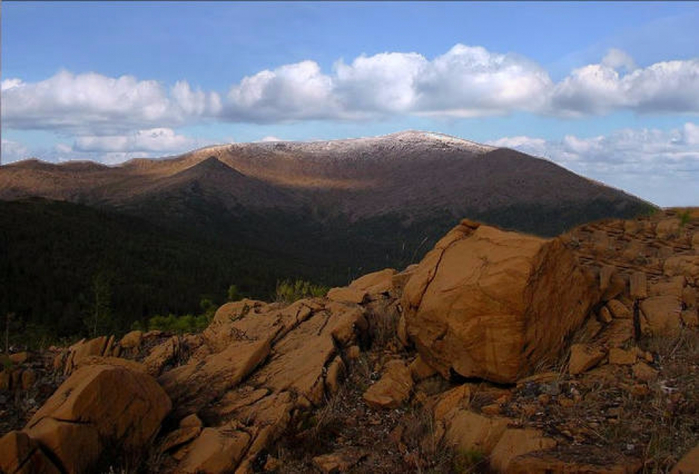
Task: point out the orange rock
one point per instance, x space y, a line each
661 315
689 464
160 355
583 357
195 384
605 315
492 409
116 361
638 285
338 462
375 283
491 304
690 317
19 357
456 398
399 280
393 389
618 309
689 296
621 357
516 442
191 421
347 295
83 349
20 454
131 340
618 333
668 228
544 463
96 406
179 437
685 265
353 352
672 287
335 372
644 372
420 370
28 379
215 451
470 431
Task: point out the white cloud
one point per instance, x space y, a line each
466 81
92 103
618 59
669 86
270 138
291 92
662 166
156 139
385 82
472 81
8 84
13 151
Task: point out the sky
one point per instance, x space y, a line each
607 90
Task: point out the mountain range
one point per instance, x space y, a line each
325 211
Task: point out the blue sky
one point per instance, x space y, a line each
609 90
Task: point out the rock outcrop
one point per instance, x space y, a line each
610 307
491 304
100 407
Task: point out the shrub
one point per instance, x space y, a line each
289 291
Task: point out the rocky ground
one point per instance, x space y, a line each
499 352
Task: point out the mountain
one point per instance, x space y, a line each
410 174
324 211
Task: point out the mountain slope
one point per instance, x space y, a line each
260 212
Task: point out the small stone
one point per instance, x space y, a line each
191 421
353 352
621 357
492 409
19 357
565 402
639 390
604 315
28 379
618 309
644 372
583 357
272 464
544 399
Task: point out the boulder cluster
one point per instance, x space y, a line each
521 351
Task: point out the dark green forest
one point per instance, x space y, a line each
70 270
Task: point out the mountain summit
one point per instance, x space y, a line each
410 175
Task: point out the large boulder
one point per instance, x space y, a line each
99 407
20 454
493 304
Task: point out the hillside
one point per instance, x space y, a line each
257 213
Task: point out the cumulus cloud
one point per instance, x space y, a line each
465 81
662 166
290 92
92 102
668 86
472 81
